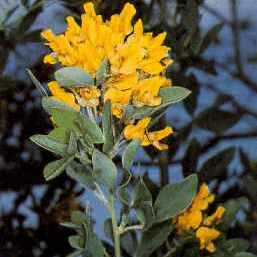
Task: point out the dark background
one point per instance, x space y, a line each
214 46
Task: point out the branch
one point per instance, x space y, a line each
242 77
236 37
211 143
216 14
240 108
217 139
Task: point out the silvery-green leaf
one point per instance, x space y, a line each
141 194
153 238
107 127
123 192
55 168
66 119
80 174
49 144
142 203
105 170
90 129
49 104
70 77
131 112
102 71
171 95
129 154
175 198
72 146
60 135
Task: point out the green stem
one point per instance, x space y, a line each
115 228
134 227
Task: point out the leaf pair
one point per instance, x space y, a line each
171 201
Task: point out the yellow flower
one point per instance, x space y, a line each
139 132
189 220
137 59
195 219
90 93
147 90
152 50
121 24
90 96
202 199
192 218
216 216
119 92
119 99
50 59
61 95
153 138
206 237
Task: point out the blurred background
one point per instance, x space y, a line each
214 46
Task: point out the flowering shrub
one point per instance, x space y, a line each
109 92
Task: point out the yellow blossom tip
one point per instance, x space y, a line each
47 34
89 9
138 28
49 59
128 10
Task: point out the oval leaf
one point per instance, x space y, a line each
60 135
141 194
129 154
172 95
90 129
80 174
72 146
69 77
49 104
105 170
153 238
55 168
175 198
49 144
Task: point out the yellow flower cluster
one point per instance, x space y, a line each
194 219
137 59
139 132
137 63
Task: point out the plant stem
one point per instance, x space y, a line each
115 228
134 227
